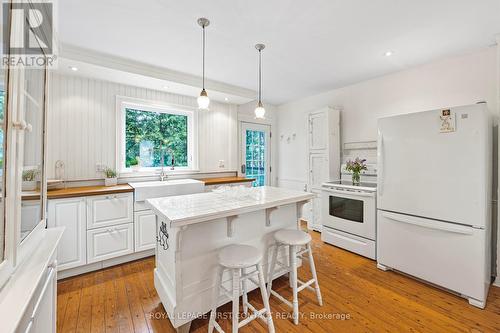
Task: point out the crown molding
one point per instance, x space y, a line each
118 63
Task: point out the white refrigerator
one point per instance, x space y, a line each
434 198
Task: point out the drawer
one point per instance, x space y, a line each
108 210
349 242
145 230
110 242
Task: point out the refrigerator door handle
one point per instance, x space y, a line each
424 223
380 161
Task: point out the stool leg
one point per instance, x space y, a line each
236 298
265 299
315 276
244 287
218 279
293 272
271 270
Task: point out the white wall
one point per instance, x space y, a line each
82 122
450 82
455 81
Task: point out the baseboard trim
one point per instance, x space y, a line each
103 264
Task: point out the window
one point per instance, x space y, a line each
154 135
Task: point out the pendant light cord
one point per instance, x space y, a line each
260 76
203 62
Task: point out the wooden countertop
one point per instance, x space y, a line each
72 192
83 191
226 180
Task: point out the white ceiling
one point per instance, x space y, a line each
311 46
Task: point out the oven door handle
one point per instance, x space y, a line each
359 194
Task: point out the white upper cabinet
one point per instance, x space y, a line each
318 129
69 213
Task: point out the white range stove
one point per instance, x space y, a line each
349 216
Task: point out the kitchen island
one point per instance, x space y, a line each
192 228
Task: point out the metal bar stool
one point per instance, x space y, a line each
294 239
238 259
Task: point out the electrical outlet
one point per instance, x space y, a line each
221 163
99 167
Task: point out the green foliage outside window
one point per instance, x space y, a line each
151 135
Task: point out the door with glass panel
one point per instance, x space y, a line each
255 153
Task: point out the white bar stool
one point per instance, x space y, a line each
294 239
237 259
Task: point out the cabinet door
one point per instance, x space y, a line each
145 230
110 242
44 313
69 213
318 130
318 170
107 210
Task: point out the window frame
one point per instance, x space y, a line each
123 103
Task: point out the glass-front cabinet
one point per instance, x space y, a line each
23 91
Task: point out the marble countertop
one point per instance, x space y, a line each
200 207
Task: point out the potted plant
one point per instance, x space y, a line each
110 177
134 164
356 167
30 179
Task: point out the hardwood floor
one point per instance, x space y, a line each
357 298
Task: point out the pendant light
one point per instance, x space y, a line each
203 100
260 112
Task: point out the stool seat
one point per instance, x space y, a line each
292 237
239 256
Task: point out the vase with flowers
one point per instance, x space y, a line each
355 167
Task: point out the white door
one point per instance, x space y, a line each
318 130
255 153
428 173
69 213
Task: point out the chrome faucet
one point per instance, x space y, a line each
163 173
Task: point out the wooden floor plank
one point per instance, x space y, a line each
357 298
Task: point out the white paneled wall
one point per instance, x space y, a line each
82 126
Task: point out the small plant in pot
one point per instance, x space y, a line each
356 167
30 179
111 178
134 164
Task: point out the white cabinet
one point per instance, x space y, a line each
318 130
69 213
97 228
44 311
324 156
145 230
108 210
109 242
318 170
40 314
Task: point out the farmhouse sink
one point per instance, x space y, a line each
166 188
